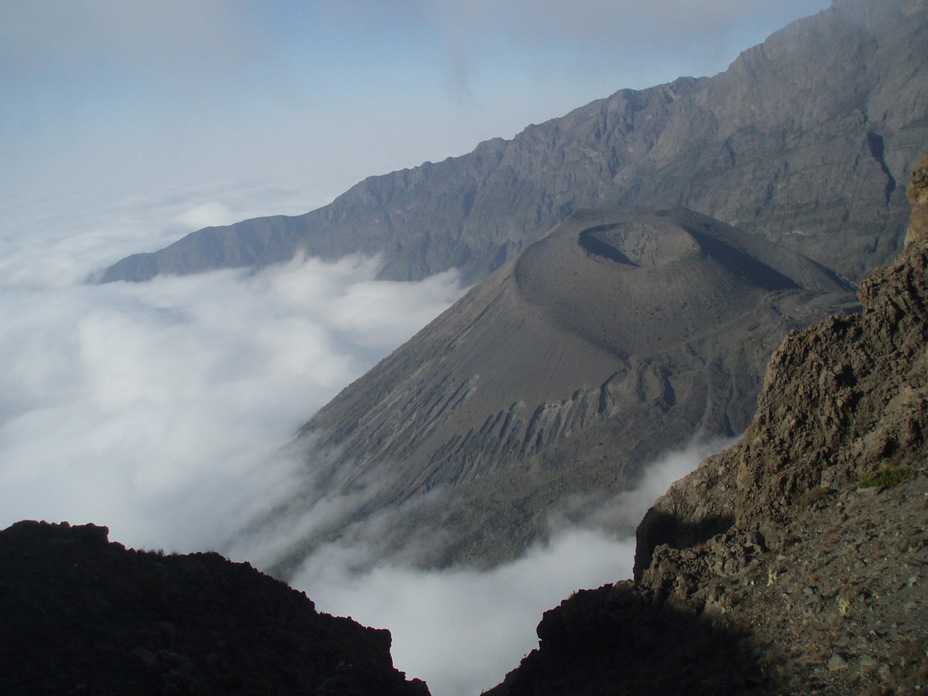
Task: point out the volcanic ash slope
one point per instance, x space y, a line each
620 335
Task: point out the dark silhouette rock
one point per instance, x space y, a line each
617 640
82 615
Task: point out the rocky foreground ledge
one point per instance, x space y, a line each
80 615
796 562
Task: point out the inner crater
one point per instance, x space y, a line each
637 245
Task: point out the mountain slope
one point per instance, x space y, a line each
615 338
803 136
801 551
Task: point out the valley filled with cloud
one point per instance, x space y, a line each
164 410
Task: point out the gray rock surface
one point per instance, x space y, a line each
785 565
617 337
810 533
802 140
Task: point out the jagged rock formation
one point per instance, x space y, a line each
81 615
782 541
617 337
803 136
843 398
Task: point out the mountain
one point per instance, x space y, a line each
795 561
618 336
802 141
82 615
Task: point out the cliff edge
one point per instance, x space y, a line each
797 560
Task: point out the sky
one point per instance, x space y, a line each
112 98
165 409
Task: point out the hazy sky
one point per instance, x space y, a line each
164 409
113 97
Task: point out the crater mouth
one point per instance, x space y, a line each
592 244
645 241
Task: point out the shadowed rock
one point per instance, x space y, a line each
81 615
615 640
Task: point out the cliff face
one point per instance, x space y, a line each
841 399
801 551
81 615
804 135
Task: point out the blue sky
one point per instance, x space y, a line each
111 95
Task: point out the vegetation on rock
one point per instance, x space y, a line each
887 477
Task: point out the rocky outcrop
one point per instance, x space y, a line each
616 640
842 398
620 335
803 136
807 539
830 484
82 615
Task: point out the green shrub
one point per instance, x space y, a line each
884 478
813 495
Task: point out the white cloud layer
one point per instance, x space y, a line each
163 411
160 409
462 630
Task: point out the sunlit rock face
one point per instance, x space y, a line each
808 535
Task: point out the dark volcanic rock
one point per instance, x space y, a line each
802 140
81 615
616 641
617 337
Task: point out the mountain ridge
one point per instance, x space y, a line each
561 374
770 145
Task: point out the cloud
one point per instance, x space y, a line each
462 629
209 214
162 409
643 41
43 38
58 240
552 24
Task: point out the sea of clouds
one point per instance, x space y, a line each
160 409
164 411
